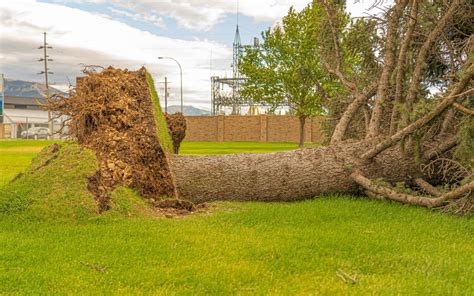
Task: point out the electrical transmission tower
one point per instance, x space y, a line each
237 49
46 72
226 91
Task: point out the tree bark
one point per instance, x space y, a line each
284 176
302 119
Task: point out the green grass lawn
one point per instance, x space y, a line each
234 147
239 248
17 155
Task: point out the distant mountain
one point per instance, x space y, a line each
187 110
20 88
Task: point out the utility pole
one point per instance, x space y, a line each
46 59
166 94
181 77
212 87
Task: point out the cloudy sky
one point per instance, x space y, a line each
198 33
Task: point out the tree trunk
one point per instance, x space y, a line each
302 123
283 176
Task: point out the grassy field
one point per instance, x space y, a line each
239 248
16 155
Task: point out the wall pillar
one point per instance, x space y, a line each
220 128
263 128
309 134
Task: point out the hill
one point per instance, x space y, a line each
188 110
20 88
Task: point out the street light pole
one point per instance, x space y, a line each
181 77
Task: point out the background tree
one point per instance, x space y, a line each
285 69
348 51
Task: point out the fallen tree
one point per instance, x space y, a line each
284 176
113 113
395 148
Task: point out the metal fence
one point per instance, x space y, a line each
18 127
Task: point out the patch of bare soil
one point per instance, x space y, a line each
174 208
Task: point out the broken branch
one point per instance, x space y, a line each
412 199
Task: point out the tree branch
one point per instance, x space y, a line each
400 68
440 149
374 195
446 102
463 109
347 83
389 62
337 49
332 27
423 54
454 194
427 187
450 114
408 198
351 110
447 122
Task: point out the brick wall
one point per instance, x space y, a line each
259 128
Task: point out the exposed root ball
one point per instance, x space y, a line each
177 126
112 112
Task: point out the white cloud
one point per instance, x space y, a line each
151 19
363 8
81 37
202 15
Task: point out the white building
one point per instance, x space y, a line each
21 113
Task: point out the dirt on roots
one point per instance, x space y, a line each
177 126
112 113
